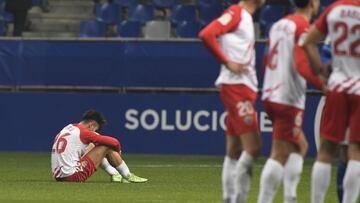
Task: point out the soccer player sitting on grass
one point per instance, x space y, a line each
78 151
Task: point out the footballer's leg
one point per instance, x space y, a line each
100 152
352 175
351 182
273 171
251 145
233 151
341 169
105 165
293 169
334 122
321 171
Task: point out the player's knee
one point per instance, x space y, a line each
254 150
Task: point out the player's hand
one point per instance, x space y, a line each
324 71
324 88
236 68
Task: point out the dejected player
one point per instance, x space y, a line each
340 21
284 93
231 39
72 160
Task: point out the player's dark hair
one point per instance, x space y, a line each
301 3
92 115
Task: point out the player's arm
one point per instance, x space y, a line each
317 33
265 56
310 45
92 137
224 24
304 69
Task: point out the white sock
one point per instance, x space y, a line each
108 168
320 180
228 179
123 169
292 172
351 182
270 180
243 176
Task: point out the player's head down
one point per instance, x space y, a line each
93 119
313 4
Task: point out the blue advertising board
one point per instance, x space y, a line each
144 123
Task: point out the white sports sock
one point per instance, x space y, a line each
243 176
108 168
351 182
123 169
292 172
228 179
270 180
320 180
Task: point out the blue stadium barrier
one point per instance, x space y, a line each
164 123
144 123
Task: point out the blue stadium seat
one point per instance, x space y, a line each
108 13
165 3
183 13
2 28
129 29
92 28
268 15
326 2
188 29
126 3
36 2
207 13
142 13
201 3
6 16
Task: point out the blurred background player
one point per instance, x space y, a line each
325 57
340 21
284 94
231 39
73 161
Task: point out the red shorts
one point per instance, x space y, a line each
341 111
239 101
84 169
287 121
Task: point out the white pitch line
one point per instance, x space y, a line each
184 166
177 166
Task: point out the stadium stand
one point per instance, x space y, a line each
126 3
64 16
142 13
187 29
268 15
156 29
129 29
92 28
108 13
182 13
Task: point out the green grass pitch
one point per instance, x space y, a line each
26 177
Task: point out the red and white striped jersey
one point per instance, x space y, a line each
341 22
231 38
69 146
287 68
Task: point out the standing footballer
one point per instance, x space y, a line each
284 93
231 39
341 22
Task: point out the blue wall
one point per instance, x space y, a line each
145 123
